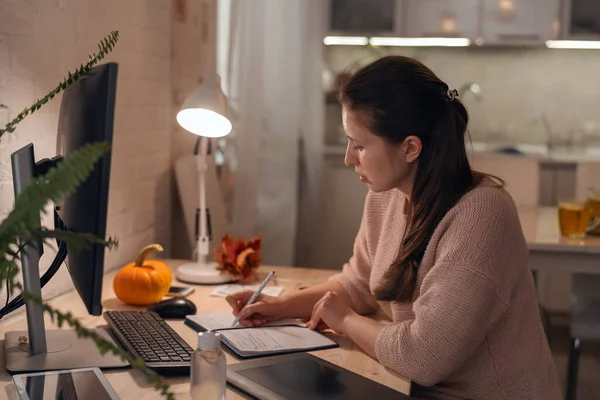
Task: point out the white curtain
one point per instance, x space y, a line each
261 55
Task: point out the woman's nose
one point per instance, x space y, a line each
349 159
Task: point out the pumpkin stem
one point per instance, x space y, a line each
151 248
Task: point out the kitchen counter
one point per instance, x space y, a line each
558 173
556 155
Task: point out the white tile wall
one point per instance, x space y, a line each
517 85
39 41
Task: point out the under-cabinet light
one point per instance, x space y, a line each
417 42
346 40
573 44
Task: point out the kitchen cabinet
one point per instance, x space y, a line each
364 17
554 290
519 21
557 182
442 18
488 22
581 20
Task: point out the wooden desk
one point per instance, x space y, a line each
131 385
549 251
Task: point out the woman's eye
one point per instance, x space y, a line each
358 147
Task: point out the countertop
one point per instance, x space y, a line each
557 155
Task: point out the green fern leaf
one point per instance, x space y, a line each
77 241
58 183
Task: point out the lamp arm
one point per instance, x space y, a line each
203 238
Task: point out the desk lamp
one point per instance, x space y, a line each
204 114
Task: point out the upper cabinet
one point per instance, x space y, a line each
442 18
520 21
485 22
364 17
581 19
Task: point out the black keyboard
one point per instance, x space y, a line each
146 335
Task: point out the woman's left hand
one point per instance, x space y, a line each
331 310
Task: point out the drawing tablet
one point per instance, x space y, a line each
303 376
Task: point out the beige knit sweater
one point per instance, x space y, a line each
473 329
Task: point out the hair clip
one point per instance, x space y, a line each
452 94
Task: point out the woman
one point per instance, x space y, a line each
440 249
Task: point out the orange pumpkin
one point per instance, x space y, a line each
143 282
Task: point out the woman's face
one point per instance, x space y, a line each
381 165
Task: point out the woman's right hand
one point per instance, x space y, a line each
265 309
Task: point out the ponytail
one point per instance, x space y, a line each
443 176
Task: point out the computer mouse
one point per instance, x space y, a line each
174 308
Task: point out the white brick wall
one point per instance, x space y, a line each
40 40
192 41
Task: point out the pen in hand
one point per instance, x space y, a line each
254 296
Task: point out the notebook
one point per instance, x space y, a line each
279 337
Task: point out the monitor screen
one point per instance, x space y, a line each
87 116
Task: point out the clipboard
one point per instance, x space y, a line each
275 338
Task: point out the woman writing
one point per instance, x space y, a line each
440 249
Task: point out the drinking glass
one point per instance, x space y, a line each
573 218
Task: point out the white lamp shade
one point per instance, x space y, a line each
204 111
203 122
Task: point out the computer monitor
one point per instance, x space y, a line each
86 116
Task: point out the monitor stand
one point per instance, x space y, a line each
64 350
37 349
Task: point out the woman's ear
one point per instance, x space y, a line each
412 147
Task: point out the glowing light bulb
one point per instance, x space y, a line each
449 25
507 6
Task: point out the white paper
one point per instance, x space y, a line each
224 290
273 339
225 320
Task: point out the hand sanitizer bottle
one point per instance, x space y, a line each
208 368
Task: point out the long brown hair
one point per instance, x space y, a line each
400 97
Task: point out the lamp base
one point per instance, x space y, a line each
202 274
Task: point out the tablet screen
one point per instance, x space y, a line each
307 379
75 385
